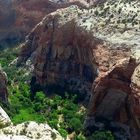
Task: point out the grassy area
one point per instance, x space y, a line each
61 113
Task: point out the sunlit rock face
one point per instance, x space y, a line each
30 131
136 90
3 86
66 53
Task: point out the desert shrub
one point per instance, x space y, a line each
40 96
63 132
75 124
80 137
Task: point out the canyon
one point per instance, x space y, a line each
17 18
71 47
90 48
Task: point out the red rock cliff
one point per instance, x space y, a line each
63 52
70 47
66 54
17 18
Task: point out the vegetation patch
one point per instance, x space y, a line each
60 112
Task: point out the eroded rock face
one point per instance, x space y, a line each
114 103
135 85
70 47
3 86
17 18
63 52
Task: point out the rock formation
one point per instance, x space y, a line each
3 86
17 18
113 101
56 43
4 119
30 131
135 85
71 46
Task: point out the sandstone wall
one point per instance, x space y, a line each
71 46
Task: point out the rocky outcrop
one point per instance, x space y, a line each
59 60
17 18
114 103
71 46
135 86
66 53
115 94
3 86
30 131
4 119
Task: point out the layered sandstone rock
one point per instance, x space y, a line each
3 86
113 101
56 43
66 53
71 46
17 18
